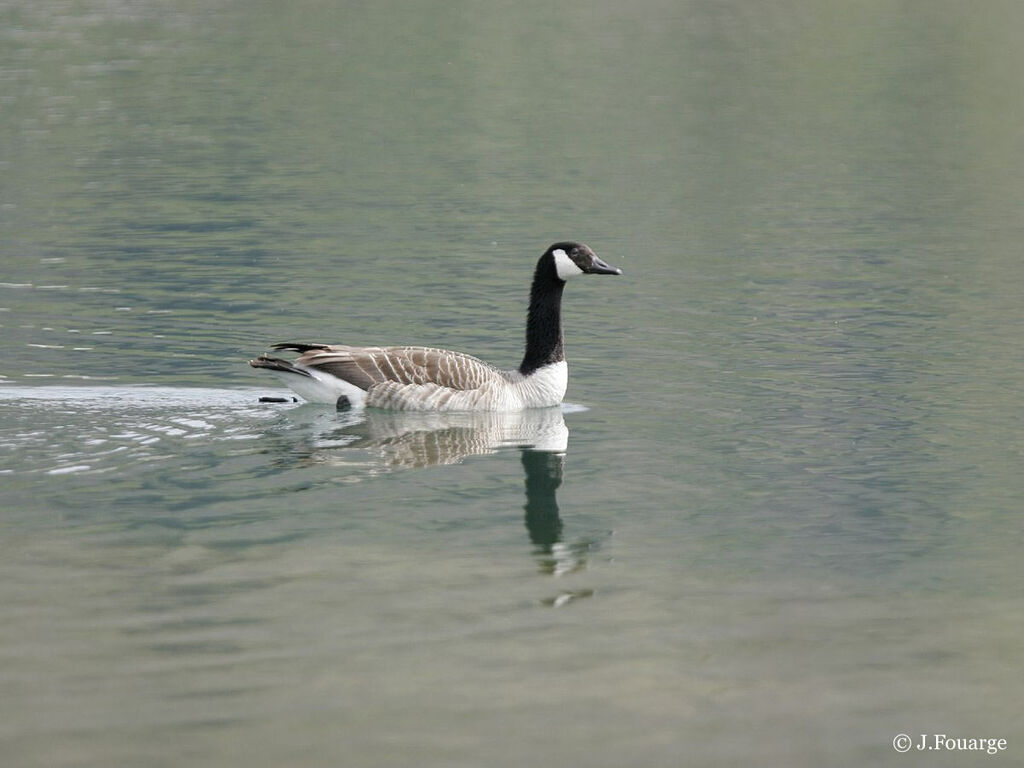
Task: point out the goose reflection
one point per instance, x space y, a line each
413 440
373 442
544 471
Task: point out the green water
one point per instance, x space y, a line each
787 522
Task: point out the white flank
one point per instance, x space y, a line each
564 266
507 391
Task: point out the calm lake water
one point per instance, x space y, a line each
785 523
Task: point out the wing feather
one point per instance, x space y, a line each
366 367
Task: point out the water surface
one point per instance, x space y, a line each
779 524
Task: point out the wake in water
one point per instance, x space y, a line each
66 430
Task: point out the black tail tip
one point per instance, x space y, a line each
276 364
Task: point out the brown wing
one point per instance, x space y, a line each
366 366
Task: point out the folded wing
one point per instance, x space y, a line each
366 367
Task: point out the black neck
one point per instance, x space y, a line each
544 321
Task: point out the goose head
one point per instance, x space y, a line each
571 259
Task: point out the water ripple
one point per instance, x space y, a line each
101 429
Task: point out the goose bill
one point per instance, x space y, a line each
600 268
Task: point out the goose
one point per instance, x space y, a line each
429 379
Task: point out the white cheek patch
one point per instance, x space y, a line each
564 266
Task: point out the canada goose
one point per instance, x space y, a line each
426 379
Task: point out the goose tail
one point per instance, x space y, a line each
311 384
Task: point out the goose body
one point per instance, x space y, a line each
429 379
